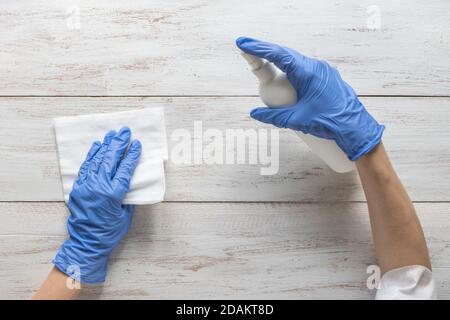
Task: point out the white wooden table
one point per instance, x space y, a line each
224 231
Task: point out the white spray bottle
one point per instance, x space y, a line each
276 91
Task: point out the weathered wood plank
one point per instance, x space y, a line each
219 250
417 137
187 47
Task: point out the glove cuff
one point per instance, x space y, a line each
361 134
370 145
76 264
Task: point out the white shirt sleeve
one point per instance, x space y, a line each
407 283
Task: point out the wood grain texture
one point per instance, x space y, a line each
417 138
251 243
219 250
162 47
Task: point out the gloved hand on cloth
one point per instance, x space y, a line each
98 220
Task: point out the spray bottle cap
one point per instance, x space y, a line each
262 69
253 61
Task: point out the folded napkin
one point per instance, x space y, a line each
75 135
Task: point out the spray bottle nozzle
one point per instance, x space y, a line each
255 62
262 69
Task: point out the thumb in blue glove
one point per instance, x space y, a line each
98 220
327 106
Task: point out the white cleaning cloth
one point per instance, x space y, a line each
75 135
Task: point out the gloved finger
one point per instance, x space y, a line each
127 166
278 117
284 58
116 151
84 167
98 158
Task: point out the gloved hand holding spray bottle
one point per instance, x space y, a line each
309 96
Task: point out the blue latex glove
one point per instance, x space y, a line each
327 106
98 220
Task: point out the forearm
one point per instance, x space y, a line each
58 286
396 230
